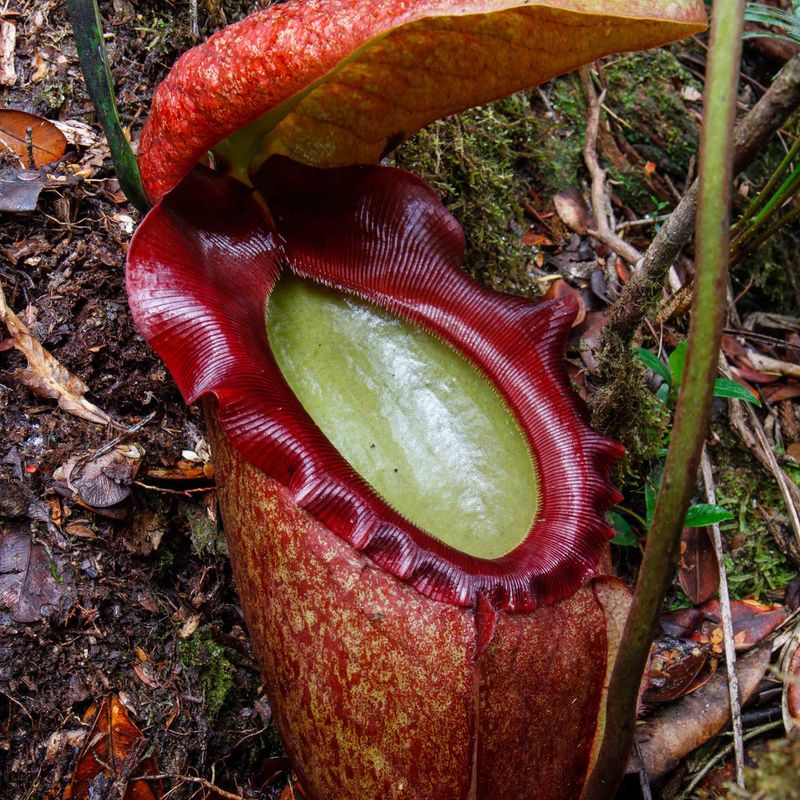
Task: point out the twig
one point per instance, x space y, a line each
723 753
206 784
644 781
641 223
755 439
642 292
727 625
194 28
603 230
781 478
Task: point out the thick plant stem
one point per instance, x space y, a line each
694 401
88 32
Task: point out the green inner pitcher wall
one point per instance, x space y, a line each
414 418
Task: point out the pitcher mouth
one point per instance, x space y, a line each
199 281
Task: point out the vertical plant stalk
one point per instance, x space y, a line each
88 32
694 400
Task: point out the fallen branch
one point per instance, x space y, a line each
205 784
603 230
642 292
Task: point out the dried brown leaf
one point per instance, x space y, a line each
673 732
698 570
47 143
32 584
112 754
45 376
573 210
104 479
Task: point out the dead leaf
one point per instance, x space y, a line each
18 192
45 376
104 479
573 210
77 132
673 667
41 68
32 584
147 531
113 754
698 570
80 530
47 143
691 95
674 731
791 598
752 622
590 334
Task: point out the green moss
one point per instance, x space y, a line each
206 535
51 95
476 163
753 562
644 92
208 665
771 275
557 137
641 423
774 776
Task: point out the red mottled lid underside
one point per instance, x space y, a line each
199 278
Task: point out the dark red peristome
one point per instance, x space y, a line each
198 283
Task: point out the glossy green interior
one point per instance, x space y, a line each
420 423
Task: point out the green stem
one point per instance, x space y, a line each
694 400
761 198
740 252
88 32
788 188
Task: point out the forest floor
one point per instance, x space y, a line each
126 594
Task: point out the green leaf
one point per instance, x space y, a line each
677 360
88 32
654 364
625 536
663 394
727 388
702 514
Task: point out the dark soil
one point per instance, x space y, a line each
160 626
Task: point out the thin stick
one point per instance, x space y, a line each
644 781
191 779
603 230
727 625
723 753
780 476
